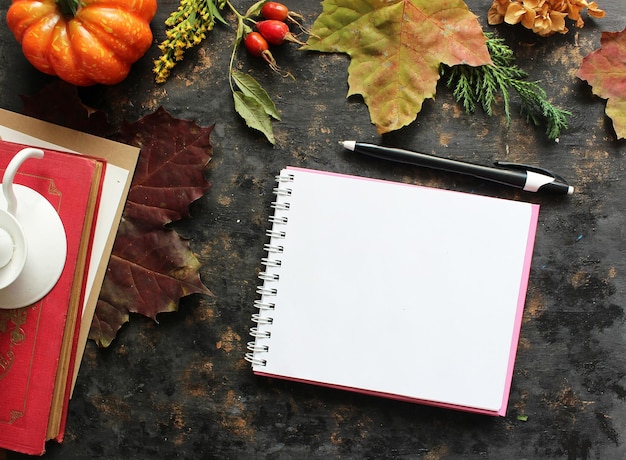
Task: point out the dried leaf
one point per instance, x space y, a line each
605 70
152 267
396 49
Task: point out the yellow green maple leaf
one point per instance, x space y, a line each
605 70
396 49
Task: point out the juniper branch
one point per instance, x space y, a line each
480 86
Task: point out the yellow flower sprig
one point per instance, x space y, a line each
543 17
186 27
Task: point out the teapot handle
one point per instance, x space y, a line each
9 175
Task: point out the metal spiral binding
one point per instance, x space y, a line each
263 319
270 262
268 276
284 178
266 291
281 206
275 234
278 220
282 191
252 346
256 332
264 305
259 319
273 248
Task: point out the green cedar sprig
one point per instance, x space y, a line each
480 86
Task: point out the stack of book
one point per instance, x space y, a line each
86 179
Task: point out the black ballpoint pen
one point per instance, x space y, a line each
527 178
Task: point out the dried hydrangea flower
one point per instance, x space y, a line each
544 17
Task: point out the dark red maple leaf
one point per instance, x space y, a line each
152 267
170 171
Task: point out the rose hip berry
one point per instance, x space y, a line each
275 10
276 32
256 45
279 12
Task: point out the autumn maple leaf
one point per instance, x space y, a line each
605 70
396 50
152 267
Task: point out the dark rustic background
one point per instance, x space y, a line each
180 388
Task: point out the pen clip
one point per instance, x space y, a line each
523 167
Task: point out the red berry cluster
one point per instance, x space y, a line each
272 30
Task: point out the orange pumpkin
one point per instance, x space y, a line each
84 42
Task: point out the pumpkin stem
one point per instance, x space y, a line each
68 7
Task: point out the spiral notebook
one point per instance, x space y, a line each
395 290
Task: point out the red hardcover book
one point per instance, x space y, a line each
38 342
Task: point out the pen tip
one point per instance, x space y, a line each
349 145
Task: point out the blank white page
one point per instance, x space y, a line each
399 290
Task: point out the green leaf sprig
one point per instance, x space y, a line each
480 86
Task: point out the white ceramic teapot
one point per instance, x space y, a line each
33 244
